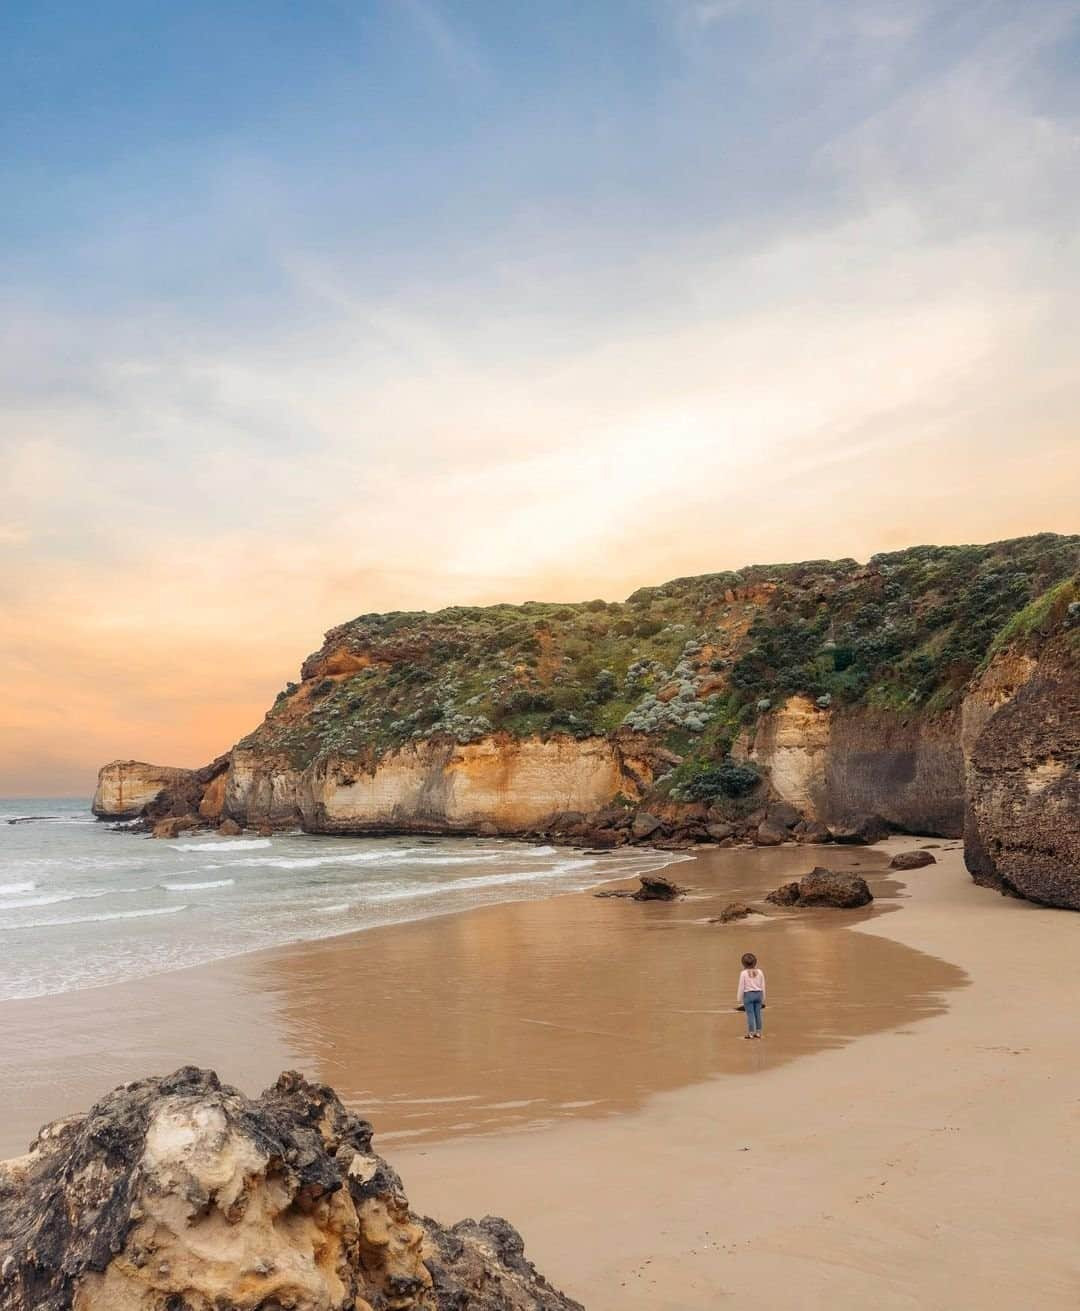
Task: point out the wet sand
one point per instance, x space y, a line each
502 1017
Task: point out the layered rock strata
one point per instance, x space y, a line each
182 1194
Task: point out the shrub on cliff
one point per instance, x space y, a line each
729 779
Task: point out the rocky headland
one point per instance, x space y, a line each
182 1194
932 690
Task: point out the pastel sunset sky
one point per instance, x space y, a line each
318 308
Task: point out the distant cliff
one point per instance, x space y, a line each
833 687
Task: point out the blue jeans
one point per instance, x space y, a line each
753 1002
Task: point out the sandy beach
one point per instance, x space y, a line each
903 1132
929 1165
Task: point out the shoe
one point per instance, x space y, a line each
748 1036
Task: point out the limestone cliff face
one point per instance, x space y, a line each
837 765
124 787
183 1193
499 783
1022 739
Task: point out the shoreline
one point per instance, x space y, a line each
516 1012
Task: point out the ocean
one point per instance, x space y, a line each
82 906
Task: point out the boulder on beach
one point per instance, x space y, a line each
912 860
736 910
645 825
812 832
827 887
824 887
654 887
229 828
769 834
862 832
180 1192
787 894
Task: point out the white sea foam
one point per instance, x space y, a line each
58 897
6 889
222 846
197 887
315 862
459 860
482 881
96 919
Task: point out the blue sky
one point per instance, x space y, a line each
410 302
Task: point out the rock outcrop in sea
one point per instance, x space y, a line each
793 703
182 1194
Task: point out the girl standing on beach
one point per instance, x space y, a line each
751 994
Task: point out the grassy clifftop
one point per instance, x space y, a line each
688 662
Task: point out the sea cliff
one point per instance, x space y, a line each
771 703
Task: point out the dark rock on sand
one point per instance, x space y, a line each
181 1193
782 814
824 887
720 831
654 887
737 910
812 832
645 825
863 832
827 887
912 860
787 894
771 835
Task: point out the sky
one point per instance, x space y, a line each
311 310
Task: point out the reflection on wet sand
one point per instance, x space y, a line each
518 1014
503 1016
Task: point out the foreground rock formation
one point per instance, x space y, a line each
182 1194
794 703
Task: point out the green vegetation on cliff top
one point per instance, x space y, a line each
690 662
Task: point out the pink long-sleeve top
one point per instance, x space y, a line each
751 981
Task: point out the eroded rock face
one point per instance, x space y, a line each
182 1193
835 765
510 785
125 787
1022 833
